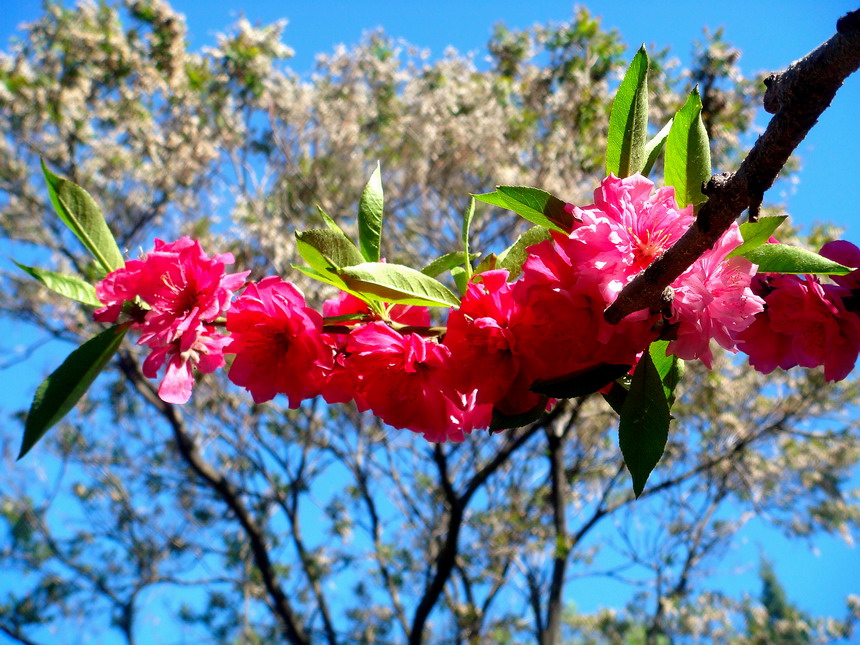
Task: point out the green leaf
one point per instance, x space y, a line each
616 396
396 283
460 279
580 383
370 217
533 204
489 263
513 257
688 155
59 393
757 233
670 368
644 426
467 223
628 121
446 263
66 285
654 147
782 258
327 250
328 221
81 214
507 421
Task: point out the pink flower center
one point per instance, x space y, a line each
649 245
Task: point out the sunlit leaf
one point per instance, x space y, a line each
397 284
533 204
65 285
81 214
757 233
628 121
688 155
782 258
370 217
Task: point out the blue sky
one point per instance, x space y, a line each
770 35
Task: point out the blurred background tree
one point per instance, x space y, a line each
239 523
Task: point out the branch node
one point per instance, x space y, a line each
849 23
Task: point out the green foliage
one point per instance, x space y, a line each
59 393
757 233
654 147
396 283
628 121
513 257
783 258
65 285
464 238
370 217
688 155
644 426
447 262
84 218
533 204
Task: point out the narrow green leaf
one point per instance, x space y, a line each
327 250
782 258
654 147
628 121
670 368
644 426
580 383
460 279
533 204
328 221
757 233
370 217
81 214
446 263
59 393
66 285
688 155
513 257
467 223
397 284
503 421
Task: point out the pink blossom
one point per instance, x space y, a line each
277 341
480 339
713 299
626 229
560 328
405 380
804 324
182 290
199 349
338 386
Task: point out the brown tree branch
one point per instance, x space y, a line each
797 97
561 552
222 487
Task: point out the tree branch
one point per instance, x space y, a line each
797 97
222 487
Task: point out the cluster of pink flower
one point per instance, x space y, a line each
805 322
504 337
